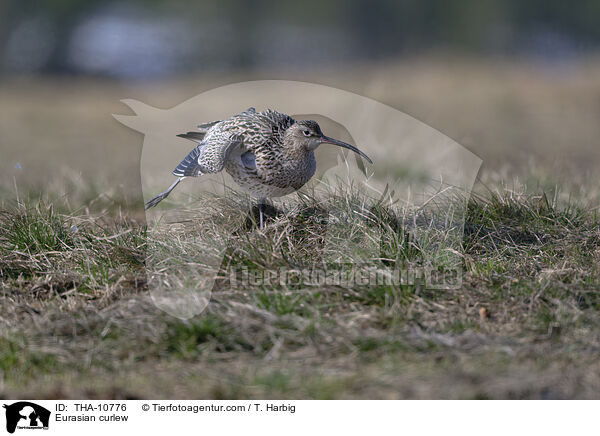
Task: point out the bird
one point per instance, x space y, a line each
269 154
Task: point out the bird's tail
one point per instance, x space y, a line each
193 136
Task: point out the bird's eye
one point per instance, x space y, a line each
306 132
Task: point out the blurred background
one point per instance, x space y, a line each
518 83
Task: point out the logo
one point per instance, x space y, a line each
26 415
377 217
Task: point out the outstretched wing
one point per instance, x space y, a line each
211 155
189 166
206 158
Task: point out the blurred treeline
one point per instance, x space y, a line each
144 38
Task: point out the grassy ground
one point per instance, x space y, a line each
77 319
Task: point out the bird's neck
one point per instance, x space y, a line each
297 154
293 149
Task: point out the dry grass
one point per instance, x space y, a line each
76 312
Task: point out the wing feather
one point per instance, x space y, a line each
205 159
189 166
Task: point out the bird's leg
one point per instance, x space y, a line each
160 197
261 208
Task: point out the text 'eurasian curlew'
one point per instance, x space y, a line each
269 154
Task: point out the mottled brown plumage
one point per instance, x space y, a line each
268 153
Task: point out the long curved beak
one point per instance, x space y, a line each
328 140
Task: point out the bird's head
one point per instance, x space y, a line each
308 134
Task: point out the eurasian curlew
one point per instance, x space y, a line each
269 154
